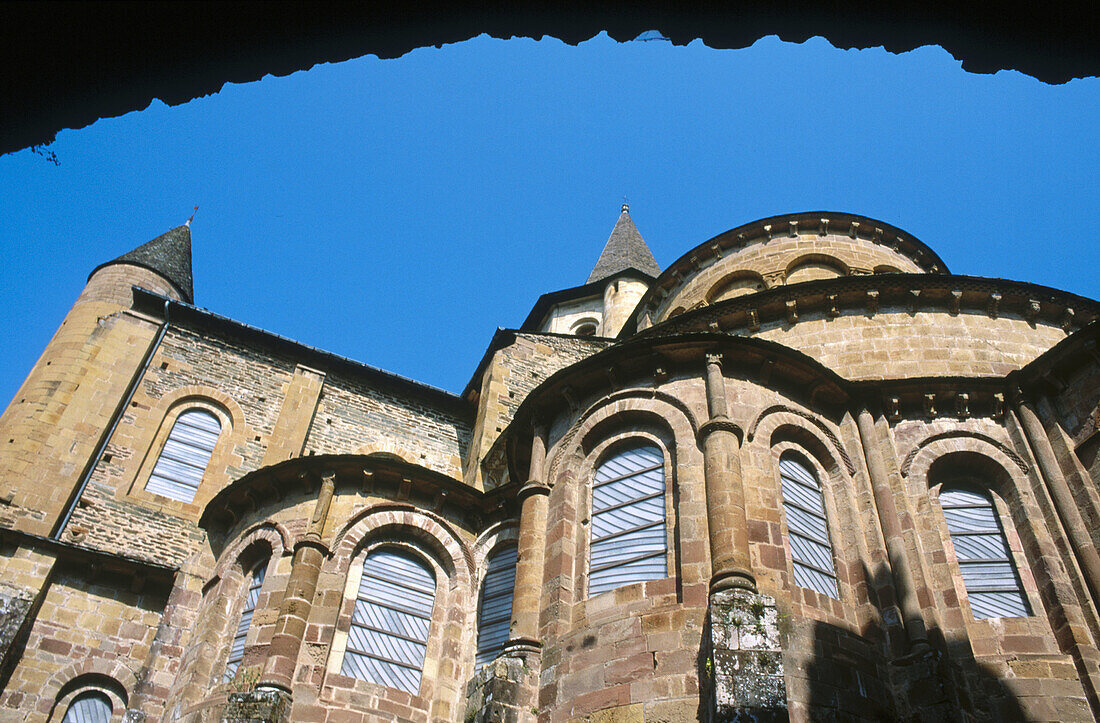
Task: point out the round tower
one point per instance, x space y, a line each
54 424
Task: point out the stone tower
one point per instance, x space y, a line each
61 412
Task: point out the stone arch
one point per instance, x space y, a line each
433 532
780 430
389 449
92 672
934 447
795 420
273 533
148 443
810 267
497 535
732 285
671 411
428 539
616 419
978 443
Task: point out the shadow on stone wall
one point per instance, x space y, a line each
857 677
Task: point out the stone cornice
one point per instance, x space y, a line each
871 295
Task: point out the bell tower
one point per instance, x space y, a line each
61 413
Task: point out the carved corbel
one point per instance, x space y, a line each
366 482
1067 319
823 227
992 307
768 232
404 489
792 228
929 403
914 301
956 302
853 230
792 311
998 410
775 278
1031 311
833 311
754 320
872 301
962 405
878 236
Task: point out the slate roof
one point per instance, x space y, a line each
168 255
625 249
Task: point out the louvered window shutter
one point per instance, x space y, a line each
183 460
389 629
990 578
628 520
804 509
252 596
495 611
89 707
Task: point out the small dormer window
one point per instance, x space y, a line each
585 327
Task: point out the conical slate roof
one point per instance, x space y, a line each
624 250
168 255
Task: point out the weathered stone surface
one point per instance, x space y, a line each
745 661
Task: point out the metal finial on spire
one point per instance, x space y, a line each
626 206
188 222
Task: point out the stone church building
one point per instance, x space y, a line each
802 471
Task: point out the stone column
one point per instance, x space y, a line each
744 667
530 563
508 688
726 521
1060 493
900 570
276 682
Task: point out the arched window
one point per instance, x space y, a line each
808 527
389 628
183 460
252 596
494 614
628 520
91 706
990 578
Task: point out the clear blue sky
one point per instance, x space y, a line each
398 211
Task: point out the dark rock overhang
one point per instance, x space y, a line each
766 229
69 64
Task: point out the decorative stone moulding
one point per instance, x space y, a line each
363 474
879 293
789 225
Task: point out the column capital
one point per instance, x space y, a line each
533 487
718 424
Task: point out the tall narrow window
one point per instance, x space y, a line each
236 651
989 576
183 460
628 520
89 707
494 614
808 527
389 629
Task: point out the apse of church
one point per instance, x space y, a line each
804 472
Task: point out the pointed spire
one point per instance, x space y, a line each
168 255
625 249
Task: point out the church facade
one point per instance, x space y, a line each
804 471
